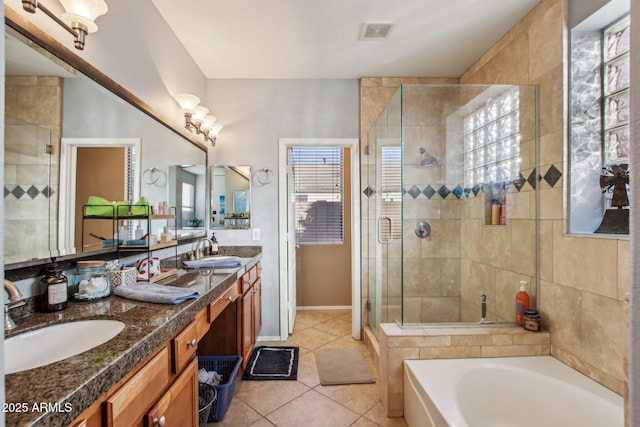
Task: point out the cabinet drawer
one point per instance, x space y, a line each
184 346
216 307
135 397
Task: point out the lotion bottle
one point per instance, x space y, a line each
522 302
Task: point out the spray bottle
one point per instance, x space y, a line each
522 302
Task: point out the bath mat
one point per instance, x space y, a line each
343 366
272 363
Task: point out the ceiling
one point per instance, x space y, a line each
299 39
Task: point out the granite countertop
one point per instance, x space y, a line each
57 393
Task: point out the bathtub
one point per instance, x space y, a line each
505 392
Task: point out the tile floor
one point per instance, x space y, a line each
305 402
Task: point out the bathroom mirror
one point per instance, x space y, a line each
230 197
54 112
187 192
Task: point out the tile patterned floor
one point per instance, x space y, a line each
305 402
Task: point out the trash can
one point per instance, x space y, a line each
207 396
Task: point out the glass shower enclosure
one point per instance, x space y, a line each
450 205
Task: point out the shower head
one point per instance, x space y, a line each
427 159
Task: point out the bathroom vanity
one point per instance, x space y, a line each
149 370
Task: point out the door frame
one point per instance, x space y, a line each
68 159
356 293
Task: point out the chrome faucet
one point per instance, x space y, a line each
15 300
200 252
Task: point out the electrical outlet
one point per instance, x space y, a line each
255 234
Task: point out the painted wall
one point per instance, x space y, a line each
256 113
583 280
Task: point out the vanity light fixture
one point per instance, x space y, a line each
196 118
77 19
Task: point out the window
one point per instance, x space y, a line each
599 117
391 185
492 141
188 203
318 190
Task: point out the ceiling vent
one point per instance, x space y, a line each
375 31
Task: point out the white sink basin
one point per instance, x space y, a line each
57 342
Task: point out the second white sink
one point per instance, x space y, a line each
57 342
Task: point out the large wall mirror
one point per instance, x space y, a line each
230 197
67 138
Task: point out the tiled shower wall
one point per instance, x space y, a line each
583 279
33 109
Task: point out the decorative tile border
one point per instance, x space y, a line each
27 192
551 177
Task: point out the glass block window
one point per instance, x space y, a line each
492 141
616 78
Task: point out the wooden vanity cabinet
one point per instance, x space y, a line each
179 404
251 312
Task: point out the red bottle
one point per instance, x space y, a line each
522 302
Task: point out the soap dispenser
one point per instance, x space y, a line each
214 245
52 289
522 302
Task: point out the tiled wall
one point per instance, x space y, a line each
583 279
33 109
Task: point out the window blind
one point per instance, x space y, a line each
318 193
391 186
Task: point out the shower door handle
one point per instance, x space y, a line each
389 239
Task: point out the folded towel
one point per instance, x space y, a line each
149 292
213 262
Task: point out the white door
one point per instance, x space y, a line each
291 247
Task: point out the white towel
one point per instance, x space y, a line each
149 292
209 377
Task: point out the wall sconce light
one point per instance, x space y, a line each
196 118
77 19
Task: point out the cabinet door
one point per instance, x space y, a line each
178 407
247 326
257 309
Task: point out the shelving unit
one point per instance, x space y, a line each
125 249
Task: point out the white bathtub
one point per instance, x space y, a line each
505 392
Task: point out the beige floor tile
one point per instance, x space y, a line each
266 396
263 422
335 326
364 422
312 409
239 414
360 398
312 317
308 370
312 338
378 415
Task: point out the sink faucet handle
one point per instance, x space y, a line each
14 293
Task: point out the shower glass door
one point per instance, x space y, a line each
384 204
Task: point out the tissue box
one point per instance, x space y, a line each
125 277
148 268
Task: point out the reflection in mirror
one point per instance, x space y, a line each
187 192
230 197
56 117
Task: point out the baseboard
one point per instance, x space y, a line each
273 338
324 307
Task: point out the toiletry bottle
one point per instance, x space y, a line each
503 212
52 289
522 302
214 245
495 212
139 232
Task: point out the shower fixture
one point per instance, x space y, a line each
427 159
